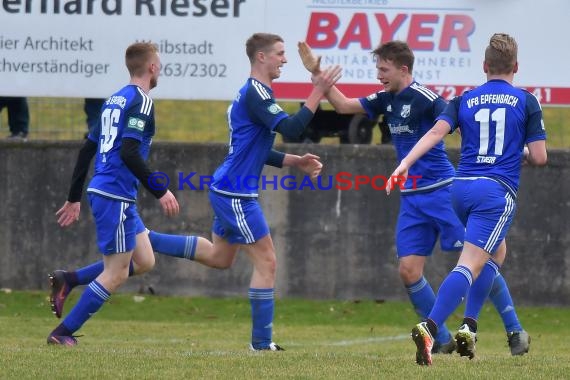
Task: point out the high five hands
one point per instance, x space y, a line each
311 62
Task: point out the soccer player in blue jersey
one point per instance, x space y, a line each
122 145
496 121
426 213
254 118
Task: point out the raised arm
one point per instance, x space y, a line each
294 125
339 101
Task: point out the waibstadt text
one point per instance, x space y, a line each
339 181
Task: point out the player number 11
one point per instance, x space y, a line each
498 116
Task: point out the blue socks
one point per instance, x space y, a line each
174 245
490 283
423 298
451 293
501 298
479 292
89 303
262 306
89 273
171 245
85 275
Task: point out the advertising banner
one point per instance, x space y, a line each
75 48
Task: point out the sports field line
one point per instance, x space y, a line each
197 351
353 342
344 342
328 343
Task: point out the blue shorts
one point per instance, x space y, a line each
117 222
238 220
486 208
423 218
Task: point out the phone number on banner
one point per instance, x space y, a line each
194 70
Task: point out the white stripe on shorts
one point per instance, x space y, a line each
510 204
241 222
120 243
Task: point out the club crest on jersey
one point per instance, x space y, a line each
136 123
405 110
274 109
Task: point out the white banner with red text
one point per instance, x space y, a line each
75 48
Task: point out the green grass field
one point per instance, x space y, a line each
157 337
205 121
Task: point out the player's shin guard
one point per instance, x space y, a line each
480 289
451 293
501 298
262 307
89 303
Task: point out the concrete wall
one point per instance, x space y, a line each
330 244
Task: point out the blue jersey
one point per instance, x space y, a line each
252 118
496 120
410 114
128 113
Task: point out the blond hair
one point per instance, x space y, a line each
138 55
501 54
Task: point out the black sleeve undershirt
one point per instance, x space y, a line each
82 164
275 158
132 158
293 126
